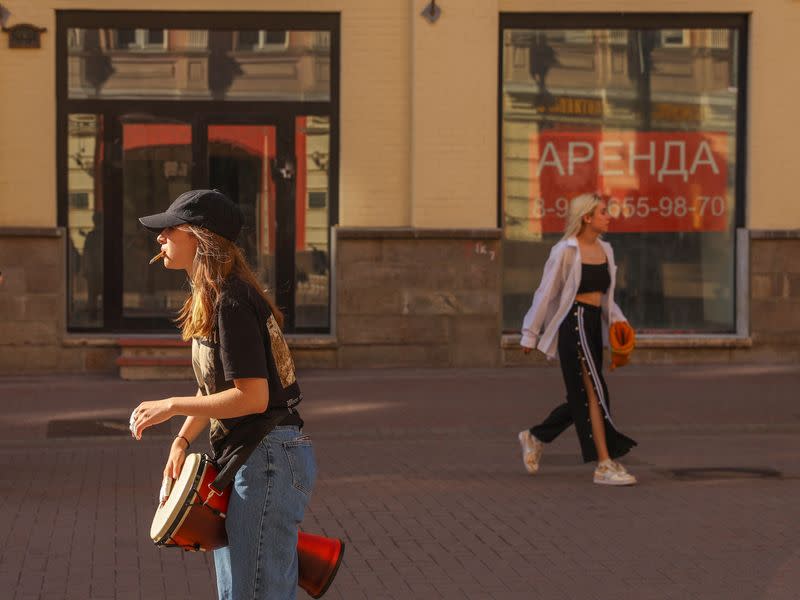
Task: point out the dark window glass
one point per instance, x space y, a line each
156 169
79 200
126 38
248 40
155 37
672 37
275 37
238 159
317 199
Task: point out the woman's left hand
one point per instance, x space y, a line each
148 414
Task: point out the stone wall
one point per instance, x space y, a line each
31 299
33 307
775 295
403 298
418 298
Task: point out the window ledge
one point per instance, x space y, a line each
775 234
693 341
100 340
416 233
510 341
311 341
51 232
104 340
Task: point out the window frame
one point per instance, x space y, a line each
239 110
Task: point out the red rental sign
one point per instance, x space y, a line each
653 181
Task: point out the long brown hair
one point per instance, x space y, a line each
215 260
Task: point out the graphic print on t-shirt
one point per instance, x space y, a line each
280 350
203 366
205 372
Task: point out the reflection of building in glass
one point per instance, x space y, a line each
312 146
81 151
640 94
157 167
592 80
316 134
85 231
199 64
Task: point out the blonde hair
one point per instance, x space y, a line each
216 259
579 207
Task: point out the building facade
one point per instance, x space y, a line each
402 178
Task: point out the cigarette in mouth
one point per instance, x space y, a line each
158 256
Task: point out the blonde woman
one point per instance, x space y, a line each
569 317
247 392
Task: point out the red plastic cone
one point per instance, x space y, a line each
319 558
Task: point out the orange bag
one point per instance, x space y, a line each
622 339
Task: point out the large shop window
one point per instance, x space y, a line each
152 104
648 112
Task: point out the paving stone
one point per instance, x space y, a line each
420 474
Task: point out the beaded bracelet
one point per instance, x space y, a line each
185 440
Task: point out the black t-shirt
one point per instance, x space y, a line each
247 343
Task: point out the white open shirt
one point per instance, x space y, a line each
556 295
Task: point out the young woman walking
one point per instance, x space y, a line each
247 393
570 315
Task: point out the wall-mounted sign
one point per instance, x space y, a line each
24 35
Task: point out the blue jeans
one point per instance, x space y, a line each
268 501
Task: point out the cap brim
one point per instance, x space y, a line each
157 223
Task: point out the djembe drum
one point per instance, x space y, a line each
193 518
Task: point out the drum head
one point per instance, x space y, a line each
172 509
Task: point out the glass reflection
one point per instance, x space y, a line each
85 219
581 109
156 167
239 166
198 64
312 257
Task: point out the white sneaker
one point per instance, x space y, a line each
613 474
531 451
618 467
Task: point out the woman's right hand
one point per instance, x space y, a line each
177 456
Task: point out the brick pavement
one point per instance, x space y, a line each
420 473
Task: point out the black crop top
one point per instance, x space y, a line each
594 278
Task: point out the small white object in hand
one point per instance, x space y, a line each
131 422
166 488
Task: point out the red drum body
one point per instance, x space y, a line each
193 516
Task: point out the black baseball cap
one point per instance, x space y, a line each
205 208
